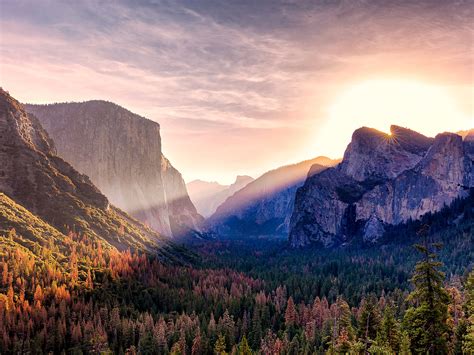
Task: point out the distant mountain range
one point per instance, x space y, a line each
121 153
383 180
264 206
207 196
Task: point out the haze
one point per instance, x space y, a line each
241 87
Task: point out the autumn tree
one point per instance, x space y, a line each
244 348
290 313
220 346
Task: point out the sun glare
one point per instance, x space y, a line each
428 109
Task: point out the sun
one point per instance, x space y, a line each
428 109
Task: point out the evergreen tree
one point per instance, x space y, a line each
244 348
390 328
468 342
369 320
404 344
425 320
220 346
294 348
256 331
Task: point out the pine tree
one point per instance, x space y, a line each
369 320
244 348
220 346
404 344
256 331
468 341
425 320
226 327
197 346
5 274
294 347
390 328
290 313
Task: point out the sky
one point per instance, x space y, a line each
242 87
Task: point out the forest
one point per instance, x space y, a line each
392 298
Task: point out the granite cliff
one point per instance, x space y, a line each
121 153
383 179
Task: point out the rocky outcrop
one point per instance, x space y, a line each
383 179
32 175
207 196
183 216
376 155
121 153
264 206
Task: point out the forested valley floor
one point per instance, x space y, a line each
244 297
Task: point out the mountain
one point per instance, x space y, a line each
383 179
207 196
201 193
121 153
467 134
44 198
264 206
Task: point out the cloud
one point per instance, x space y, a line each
255 68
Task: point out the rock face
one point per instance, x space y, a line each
183 216
383 179
121 152
33 176
264 206
207 196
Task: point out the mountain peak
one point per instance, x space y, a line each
16 129
467 135
241 179
368 135
410 140
110 112
378 155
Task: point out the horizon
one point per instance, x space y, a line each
239 93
